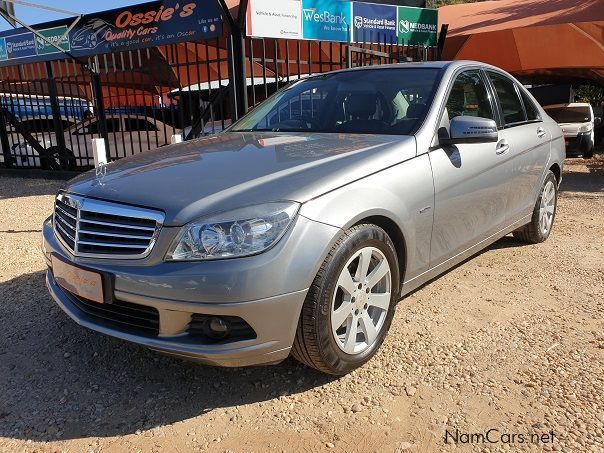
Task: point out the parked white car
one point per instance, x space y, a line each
577 122
127 134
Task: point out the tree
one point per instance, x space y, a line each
590 93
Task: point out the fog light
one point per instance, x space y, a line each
218 328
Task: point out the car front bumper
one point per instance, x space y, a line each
177 292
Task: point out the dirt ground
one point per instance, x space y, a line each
511 341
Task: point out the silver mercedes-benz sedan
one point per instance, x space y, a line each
299 228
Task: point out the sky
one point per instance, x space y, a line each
36 15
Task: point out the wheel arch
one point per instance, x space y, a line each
555 169
396 234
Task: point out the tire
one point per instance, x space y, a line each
537 231
335 350
590 152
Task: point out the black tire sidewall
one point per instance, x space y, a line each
356 239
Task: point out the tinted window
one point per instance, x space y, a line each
508 99
531 110
469 97
372 101
138 124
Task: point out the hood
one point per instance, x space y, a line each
232 170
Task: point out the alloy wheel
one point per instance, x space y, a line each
361 300
547 208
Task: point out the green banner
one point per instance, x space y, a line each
417 26
53 35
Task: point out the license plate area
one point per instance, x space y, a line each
87 283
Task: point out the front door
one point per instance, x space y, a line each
470 180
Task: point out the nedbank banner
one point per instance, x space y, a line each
139 26
342 21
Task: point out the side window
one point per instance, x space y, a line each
508 99
469 97
138 124
531 110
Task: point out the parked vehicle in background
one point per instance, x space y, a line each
300 227
34 114
598 124
577 122
127 135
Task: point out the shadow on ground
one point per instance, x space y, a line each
591 181
60 381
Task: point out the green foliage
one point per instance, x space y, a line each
590 93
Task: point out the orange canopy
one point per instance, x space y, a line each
536 40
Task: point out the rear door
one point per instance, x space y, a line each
527 141
470 179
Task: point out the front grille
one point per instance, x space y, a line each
98 228
121 315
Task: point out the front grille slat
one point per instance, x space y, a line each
98 228
121 315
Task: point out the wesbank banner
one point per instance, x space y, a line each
135 27
341 21
326 20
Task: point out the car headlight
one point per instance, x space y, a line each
241 232
585 129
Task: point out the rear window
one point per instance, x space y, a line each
569 114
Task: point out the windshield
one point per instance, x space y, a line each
569 114
377 101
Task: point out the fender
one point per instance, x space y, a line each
403 193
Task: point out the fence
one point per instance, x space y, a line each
137 100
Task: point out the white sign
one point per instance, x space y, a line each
274 21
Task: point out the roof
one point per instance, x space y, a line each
480 17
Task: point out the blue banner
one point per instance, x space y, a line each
326 20
374 23
135 27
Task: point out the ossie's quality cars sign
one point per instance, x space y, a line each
139 26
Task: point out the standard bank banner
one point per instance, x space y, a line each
342 21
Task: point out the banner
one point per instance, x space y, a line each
263 19
417 26
341 21
326 20
135 27
374 23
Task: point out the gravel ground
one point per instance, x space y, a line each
511 340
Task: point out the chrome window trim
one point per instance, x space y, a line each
105 207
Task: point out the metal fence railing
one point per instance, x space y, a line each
137 100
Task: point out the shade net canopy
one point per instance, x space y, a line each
538 41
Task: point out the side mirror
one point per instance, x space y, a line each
469 129
597 120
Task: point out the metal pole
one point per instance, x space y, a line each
54 105
4 142
441 40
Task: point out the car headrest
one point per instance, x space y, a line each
416 110
360 104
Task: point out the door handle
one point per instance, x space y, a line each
541 132
502 147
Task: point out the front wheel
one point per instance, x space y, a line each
350 305
544 213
